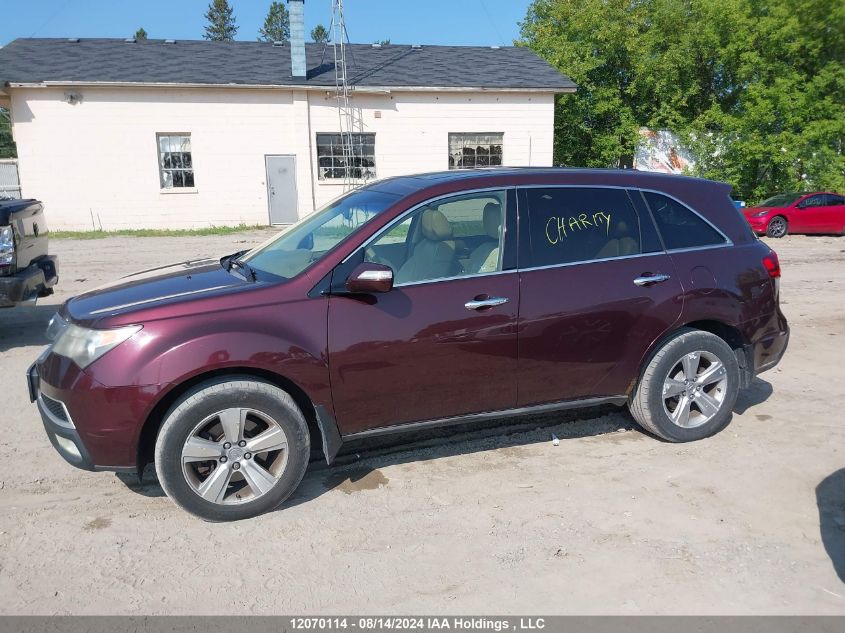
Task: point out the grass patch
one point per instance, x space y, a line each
210 230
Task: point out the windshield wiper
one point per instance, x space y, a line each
232 261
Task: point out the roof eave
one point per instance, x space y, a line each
310 87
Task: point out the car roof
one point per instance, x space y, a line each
510 176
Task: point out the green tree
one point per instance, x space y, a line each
140 34
755 87
276 25
383 42
221 25
7 145
319 34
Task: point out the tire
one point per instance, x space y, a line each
261 416
668 368
777 227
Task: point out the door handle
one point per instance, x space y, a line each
490 302
648 279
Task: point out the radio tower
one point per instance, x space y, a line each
350 122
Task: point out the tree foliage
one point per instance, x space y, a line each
276 25
140 34
7 145
756 88
319 34
221 25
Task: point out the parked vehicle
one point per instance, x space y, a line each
416 302
26 270
818 212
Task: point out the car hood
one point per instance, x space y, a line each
749 211
158 286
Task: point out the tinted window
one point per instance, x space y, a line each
835 201
812 201
782 200
573 224
679 226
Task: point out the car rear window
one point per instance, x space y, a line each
579 224
679 225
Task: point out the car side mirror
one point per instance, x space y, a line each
369 277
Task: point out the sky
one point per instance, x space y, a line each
458 22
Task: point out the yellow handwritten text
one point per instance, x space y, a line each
559 228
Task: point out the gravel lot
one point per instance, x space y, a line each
611 521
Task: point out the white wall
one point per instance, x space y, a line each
99 157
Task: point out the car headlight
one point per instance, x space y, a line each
83 345
760 214
7 246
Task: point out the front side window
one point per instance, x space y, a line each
580 224
680 226
451 237
471 150
300 245
176 166
346 156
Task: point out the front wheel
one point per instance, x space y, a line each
688 389
777 226
232 448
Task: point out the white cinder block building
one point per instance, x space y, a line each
184 134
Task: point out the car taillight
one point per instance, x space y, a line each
772 264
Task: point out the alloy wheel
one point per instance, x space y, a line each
234 456
777 227
694 389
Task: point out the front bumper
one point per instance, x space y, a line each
61 428
31 282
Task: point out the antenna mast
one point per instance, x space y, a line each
349 120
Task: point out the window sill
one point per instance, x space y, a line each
179 190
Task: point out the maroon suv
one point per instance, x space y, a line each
416 302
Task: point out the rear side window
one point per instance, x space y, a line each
579 224
679 226
835 201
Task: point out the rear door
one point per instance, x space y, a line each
834 216
596 290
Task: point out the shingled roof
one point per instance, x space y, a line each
63 61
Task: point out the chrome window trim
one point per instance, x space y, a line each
401 218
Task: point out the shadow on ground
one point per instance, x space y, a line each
24 325
830 497
357 466
757 393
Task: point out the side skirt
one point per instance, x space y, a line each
333 440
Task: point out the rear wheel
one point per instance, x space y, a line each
688 389
777 227
232 448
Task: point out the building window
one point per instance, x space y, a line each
467 151
357 162
176 168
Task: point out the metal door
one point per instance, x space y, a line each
281 189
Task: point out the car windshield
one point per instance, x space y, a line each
300 245
780 200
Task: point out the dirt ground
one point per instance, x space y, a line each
611 521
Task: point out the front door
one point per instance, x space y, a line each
810 215
443 342
596 291
281 189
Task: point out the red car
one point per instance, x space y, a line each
416 302
819 212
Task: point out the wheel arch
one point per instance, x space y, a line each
728 333
152 424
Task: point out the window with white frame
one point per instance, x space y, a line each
470 150
176 167
334 161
